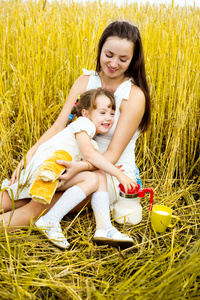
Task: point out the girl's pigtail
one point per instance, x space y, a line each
73 114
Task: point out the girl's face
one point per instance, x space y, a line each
116 55
103 116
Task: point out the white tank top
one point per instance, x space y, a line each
127 158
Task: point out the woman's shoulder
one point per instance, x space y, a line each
124 89
94 80
89 72
83 80
80 85
137 93
136 100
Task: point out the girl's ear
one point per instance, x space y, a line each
85 113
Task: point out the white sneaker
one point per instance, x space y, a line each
112 237
53 232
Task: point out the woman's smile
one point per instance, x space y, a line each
111 69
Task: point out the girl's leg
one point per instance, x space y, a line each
106 234
100 203
82 185
24 215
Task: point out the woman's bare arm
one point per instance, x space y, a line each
78 88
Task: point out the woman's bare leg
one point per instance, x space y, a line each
24 215
6 204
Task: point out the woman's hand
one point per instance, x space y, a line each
20 166
120 168
127 182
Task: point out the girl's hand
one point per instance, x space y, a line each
127 182
72 168
20 166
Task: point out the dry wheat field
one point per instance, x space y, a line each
43 48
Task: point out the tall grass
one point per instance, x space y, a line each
43 48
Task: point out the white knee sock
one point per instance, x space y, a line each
100 206
72 197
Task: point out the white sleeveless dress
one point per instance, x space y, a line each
64 140
127 158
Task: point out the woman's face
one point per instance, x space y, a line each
116 55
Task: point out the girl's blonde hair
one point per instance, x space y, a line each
88 101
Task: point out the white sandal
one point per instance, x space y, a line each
53 232
117 239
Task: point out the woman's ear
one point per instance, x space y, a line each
85 113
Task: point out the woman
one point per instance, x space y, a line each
120 69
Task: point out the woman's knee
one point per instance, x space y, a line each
5 201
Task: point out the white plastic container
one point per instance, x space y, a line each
128 209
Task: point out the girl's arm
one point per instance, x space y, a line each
78 88
96 159
131 113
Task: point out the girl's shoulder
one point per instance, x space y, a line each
83 124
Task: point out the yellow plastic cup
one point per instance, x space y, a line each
161 218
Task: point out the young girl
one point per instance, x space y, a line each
95 111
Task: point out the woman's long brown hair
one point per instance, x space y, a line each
136 69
